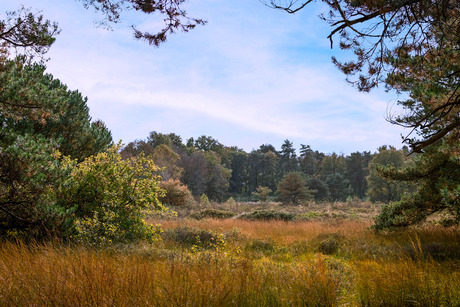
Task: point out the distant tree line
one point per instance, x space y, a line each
205 166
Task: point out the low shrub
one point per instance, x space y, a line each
329 244
204 200
262 193
312 215
267 215
193 237
212 214
266 245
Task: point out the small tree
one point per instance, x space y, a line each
204 200
262 193
293 190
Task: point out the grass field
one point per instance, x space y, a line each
315 260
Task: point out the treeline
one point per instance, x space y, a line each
207 167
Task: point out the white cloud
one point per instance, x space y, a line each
252 75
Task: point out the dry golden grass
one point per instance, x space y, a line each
258 263
61 276
278 231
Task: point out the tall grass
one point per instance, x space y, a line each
61 276
259 264
407 283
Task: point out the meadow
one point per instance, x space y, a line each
315 255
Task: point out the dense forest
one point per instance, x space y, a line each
206 167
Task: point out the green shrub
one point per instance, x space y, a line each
262 245
193 237
267 215
230 201
312 215
109 197
212 214
329 244
262 193
204 200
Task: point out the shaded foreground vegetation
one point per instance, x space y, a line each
242 262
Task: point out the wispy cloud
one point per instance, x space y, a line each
251 76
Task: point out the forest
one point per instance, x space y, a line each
161 221
204 166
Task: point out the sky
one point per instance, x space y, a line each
251 76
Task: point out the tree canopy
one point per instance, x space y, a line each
175 17
410 46
27 32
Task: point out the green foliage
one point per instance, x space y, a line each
175 18
267 215
23 95
329 244
311 215
29 173
383 189
357 170
239 172
172 140
195 170
217 177
332 172
288 160
27 31
212 214
319 187
32 102
39 115
292 189
309 160
262 168
134 148
109 197
262 193
194 238
204 200
437 174
412 48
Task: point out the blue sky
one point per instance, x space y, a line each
251 76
